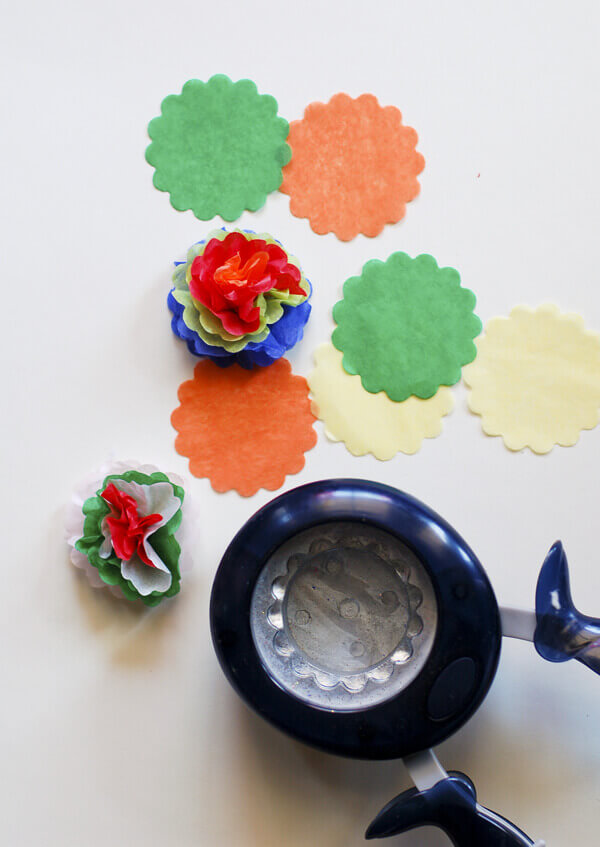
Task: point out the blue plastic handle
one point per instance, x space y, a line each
452 806
562 632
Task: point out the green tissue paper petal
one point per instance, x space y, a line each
406 326
218 147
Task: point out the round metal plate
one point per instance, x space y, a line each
343 615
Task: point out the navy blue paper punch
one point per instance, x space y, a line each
353 617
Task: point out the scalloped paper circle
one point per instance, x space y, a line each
354 166
244 429
218 148
536 379
371 423
406 326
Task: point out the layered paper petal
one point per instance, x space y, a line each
270 308
124 531
230 274
147 580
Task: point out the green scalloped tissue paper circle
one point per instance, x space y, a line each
406 326
218 148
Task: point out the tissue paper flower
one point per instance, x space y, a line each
371 423
218 147
354 166
239 297
244 429
406 326
536 378
125 526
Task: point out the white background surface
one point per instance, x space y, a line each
118 727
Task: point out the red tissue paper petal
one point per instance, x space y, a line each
230 274
127 528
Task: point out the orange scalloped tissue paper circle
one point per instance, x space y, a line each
244 429
354 166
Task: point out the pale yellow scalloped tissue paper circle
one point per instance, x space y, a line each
536 378
371 423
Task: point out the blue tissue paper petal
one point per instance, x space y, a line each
284 333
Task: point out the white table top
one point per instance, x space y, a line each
119 728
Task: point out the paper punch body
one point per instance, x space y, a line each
354 618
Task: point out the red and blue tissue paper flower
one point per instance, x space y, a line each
239 297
